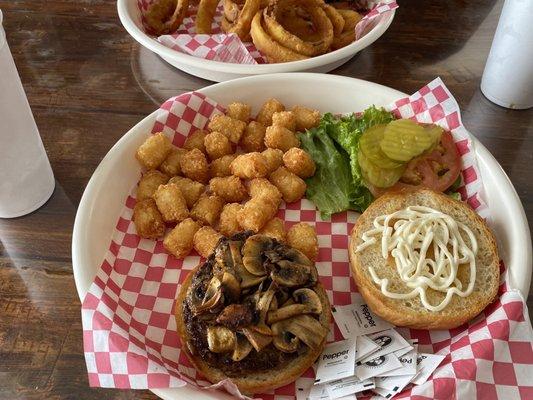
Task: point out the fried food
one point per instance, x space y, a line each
274 229
291 186
171 203
171 166
285 119
194 166
253 138
232 128
154 150
261 187
274 158
165 16
205 15
221 166
148 220
279 137
242 23
207 209
256 213
196 141
191 190
299 162
217 145
306 118
229 222
336 18
269 107
302 236
249 166
205 240
149 183
240 111
230 188
179 241
347 36
231 10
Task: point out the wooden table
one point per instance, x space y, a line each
88 82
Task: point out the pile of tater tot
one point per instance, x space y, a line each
226 179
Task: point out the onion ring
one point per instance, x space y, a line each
165 16
318 18
268 46
336 18
205 15
231 10
241 25
351 19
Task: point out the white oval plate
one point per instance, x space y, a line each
130 17
104 195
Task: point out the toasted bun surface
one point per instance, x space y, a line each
410 312
256 382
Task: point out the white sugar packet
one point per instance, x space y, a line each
377 366
408 367
337 361
351 385
356 319
427 363
394 383
389 342
364 347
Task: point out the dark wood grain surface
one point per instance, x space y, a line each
88 82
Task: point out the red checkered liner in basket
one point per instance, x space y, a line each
229 48
129 331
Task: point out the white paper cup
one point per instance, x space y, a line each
508 76
26 178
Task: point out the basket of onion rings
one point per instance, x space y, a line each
222 39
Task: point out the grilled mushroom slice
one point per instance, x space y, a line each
258 340
292 274
213 297
304 327
242 347
297 256
262 306
232 288
236 316
284 340
247 279
307 302
220 339
251 252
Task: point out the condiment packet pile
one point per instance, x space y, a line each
373 356
229 48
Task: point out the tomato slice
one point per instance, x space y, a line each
437 169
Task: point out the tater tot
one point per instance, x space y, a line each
306 118
217 145
229 223
154 150
196 140
256 213
268 108
179 241
191 190
171 166
207 209
299 162
274 229
221 166
279 137
148 220
171 203
303 237
253 138
291 186
230 188
260 187
284 118
149 183
249 166
194 166
232 128
274 158
205 240
239 111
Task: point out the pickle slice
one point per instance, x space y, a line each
404 139
370 145
379 177
434 131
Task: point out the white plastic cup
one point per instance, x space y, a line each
508 76
26 178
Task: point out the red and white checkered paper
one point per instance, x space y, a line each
229 48
129 331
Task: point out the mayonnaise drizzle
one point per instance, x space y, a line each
414 232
